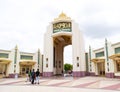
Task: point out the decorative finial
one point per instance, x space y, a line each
89 47
105 40
16 47
62 16
38 50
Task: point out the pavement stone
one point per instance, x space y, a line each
61 84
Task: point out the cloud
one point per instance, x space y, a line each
101 24
100 30
24 22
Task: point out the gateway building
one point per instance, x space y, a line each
61 32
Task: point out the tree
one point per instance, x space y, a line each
68 67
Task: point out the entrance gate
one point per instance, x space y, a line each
62 32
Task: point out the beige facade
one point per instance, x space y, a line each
105 61
15 62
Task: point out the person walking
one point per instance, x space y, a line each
30 75
37 76
27 75
33 76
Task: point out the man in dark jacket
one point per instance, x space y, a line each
37 76
33 74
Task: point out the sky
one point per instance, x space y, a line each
24 22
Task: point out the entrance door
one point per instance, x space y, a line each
101 68
118 65
24 68
3 70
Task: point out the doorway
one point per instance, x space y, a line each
60 43
101 68
24 68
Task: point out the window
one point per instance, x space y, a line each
77 58
46 59
77 64
25 57
100 54
3 55
46 65
117 50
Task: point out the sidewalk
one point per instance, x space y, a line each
48 89
61 84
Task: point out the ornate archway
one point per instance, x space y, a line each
62 32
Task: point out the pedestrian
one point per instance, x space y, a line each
4 74
33 76
27 75
30 75
62 73
37 76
